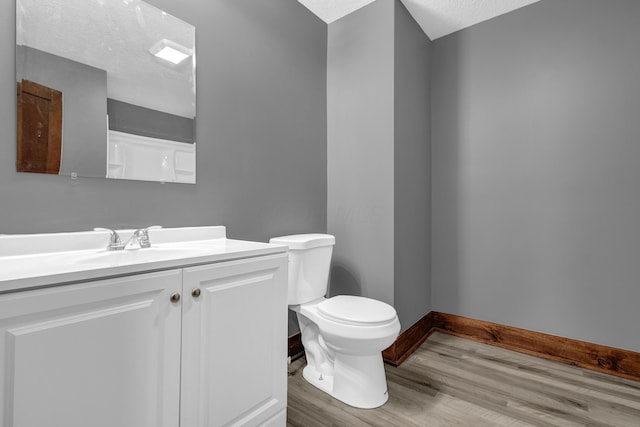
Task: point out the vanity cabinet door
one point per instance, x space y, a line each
100 354
234 343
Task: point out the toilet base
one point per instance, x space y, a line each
358 381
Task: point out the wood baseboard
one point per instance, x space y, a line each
595 357
296 350
409 341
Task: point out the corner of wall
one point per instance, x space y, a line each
412 171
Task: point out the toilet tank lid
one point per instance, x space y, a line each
304 241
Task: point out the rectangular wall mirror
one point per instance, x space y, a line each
105 88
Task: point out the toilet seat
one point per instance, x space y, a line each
356 311
348 324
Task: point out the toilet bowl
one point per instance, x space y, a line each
343 351
343 336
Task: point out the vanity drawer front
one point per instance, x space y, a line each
103 353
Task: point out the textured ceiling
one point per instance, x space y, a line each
330 10
441 17
437 18
115 36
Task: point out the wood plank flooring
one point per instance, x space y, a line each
451 381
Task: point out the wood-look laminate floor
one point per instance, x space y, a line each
451 381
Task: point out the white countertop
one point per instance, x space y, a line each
29 261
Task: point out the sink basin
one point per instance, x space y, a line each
133 256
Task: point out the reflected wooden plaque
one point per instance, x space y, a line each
39 128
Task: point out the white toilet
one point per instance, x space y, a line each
343 336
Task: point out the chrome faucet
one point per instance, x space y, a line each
141 237
115 244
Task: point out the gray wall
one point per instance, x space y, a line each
379 178
84 107
360 151
261 131
412 169
536 150
137 120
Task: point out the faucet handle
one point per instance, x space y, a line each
142 235
115 244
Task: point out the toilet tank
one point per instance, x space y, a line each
309 262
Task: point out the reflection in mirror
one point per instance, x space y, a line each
106 88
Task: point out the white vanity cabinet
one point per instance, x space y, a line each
187 347
234 343
100 354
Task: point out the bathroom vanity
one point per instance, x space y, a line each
192 332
